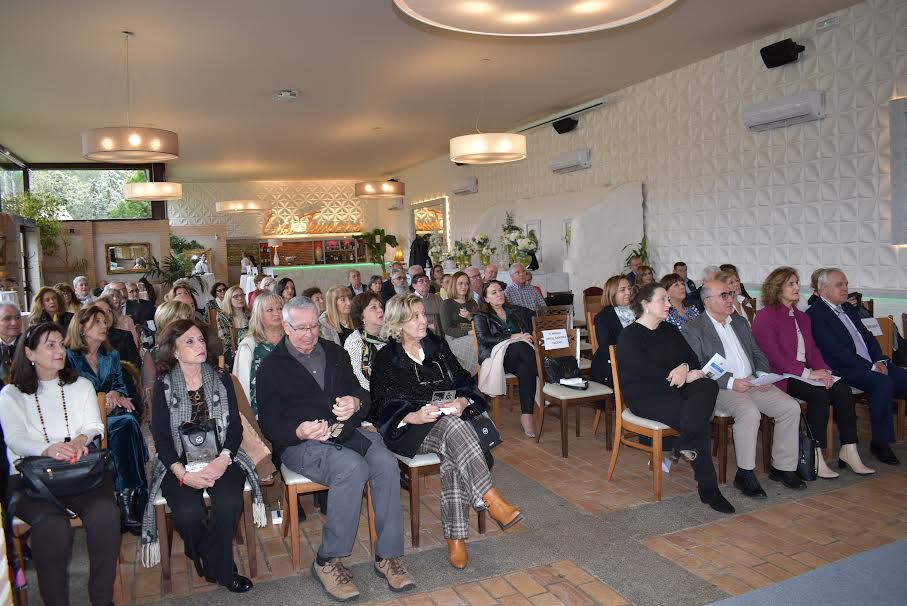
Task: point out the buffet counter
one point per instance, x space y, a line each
324 276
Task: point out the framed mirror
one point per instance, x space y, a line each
128 257
428 217
195 256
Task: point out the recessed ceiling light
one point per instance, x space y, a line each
519 18
286 94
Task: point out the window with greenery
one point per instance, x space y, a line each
92 193
12 180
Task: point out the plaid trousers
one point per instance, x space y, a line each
464 473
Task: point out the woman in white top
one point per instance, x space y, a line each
48 410
265 332
367 315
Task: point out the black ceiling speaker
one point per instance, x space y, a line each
781 53
564 125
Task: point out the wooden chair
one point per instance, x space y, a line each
212 319
21 529
721 426
555 322
414 470
593 305
559 395
886 343
496 401
628 426
608 409
870 306
296 485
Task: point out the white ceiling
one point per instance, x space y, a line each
208 69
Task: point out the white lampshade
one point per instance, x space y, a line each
242 206
488 148
380 189
159 190
132 144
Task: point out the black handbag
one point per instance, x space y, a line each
487 432
807 465
50 479
564 367
200 443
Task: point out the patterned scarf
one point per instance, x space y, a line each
177 396
370 347
260 353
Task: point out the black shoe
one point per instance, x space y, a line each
239 584
714 499
746 482
199 568
128 521
790 479
683 453
883 453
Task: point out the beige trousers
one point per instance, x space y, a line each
747 409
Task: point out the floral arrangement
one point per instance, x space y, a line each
463 248
484 247
519 244
435 247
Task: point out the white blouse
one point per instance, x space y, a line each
22 424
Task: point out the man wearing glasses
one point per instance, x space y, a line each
720 330
310 406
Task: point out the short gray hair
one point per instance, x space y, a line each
709 269
300 303
397 272
475 269
705 291
823 278
79 279
10 304
514 267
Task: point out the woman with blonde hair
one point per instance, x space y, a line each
335 321
70 301
265 332
48 306
233 315
407 372
456 321
265 284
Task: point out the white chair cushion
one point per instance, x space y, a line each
565 393
508 376
585 363
291 478
722 414
855 391
628 416
160 500
420 460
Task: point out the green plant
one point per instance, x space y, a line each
173 268
641 250
44 209
178 245
376 242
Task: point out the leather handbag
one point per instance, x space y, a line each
807 465
487 432
50 479
200 444
564 367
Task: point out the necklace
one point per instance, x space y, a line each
65 415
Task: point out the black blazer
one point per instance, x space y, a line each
399 388
288 394
836 344
387 291
607 329
490 328
140 311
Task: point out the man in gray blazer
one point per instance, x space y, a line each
720 330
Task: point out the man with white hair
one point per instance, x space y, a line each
521 292
414 270
10 330
83 293
396 285
708 274
491 273
475 282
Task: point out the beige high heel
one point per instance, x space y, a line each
849 455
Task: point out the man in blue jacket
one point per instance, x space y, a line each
855 356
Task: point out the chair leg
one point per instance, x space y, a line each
610 412
829 436
249 531
564 421
541 424
656 465
118 585
615 450
370 513
22 596
596 421
293 512
576 408
481 516
414 504
723 428
164 538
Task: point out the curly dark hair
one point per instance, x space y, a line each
282 285
22 374
360 302
643 293
215 287
166 357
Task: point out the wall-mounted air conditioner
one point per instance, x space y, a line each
396 204
465 187
793 109
569 161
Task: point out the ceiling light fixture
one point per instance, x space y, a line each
132 144
530 17
487 148
380 189
242 206
153 190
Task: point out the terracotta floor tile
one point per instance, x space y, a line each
546 599
602 594
475 595
498 587
525 584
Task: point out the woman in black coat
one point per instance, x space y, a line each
498 321
609 322
414 419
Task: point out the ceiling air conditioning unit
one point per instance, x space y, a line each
396 204
465 187
793 109
569 161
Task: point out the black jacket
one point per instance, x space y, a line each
387 291
490 328
288 394
418 252
607 329
140 311
399 388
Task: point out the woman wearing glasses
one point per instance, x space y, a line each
217 295
407 375
232 316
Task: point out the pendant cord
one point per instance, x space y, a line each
128 92
482 96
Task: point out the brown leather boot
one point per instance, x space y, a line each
502 512
459 558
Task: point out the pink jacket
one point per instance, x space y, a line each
776 335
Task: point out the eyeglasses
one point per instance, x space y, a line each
438 380
725 296
311 328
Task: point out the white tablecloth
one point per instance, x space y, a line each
324 276
247 283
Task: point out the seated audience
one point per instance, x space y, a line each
48 306
491 272
70 301
265 284
314 293
408 371
680 268
475 282
189 390
661 379
680 312
719 330
730 267
814 284
233 317
310 406
116 320
265 332
615 315
708 273
785 336
140 310
444 291
10 330
83 293
645 275
437 274
431 302
367 315
335 320
520 292
496 322
456 322
743 306
356 285
122 341
854 355
217 295
90 355
413 270
634 263
48 410
286 288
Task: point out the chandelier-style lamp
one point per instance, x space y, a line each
380 189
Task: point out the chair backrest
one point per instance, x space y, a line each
886 339
102 407
212 318
538 335
615 379
550 322
221 361
593 291
558 310
870 306
593 304
590 326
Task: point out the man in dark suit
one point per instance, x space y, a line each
387 287
356 285
394 286
855 356
140 310
10 331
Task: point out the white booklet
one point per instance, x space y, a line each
811 381
766 379
715 367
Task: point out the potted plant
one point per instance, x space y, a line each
174 267
435 248
484 247
376 242
44 208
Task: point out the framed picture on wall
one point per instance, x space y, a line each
536 226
